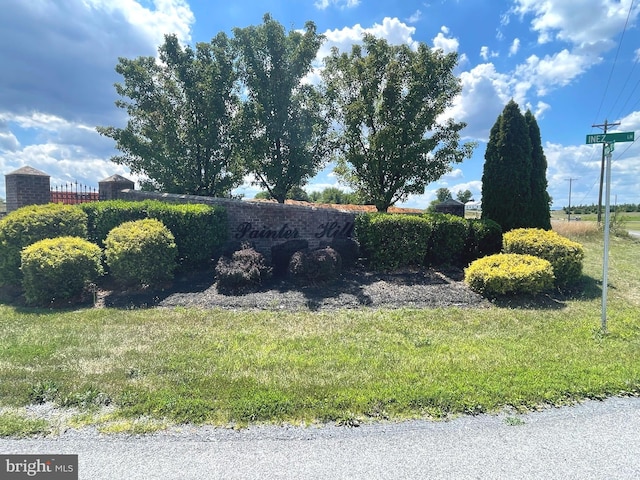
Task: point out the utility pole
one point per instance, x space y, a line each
604 126
570 180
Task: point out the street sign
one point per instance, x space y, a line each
610 137
609 148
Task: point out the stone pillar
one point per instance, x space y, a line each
27 186
110 187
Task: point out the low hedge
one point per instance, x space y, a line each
509 273
484 237
30 224
59 268
565 255
447 239
389 241
199 230
141 252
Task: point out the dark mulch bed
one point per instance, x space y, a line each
355 288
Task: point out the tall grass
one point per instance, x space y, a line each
577 229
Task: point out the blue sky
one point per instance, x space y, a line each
572 62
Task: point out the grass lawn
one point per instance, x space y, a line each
155 367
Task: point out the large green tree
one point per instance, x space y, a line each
387 102
183 109
539 212
507 178
284 128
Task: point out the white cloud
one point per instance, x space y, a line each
8 141
484 94
342 4
444 43
552 71
57 78
515 47
485 53
65 66
588 25
415 17
393 30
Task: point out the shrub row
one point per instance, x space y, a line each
199 230
141 252
389 241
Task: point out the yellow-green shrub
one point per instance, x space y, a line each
59 268
506 273
141 252
30 224
564 255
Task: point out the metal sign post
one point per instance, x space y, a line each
608 149
609 140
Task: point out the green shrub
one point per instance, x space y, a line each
30 224
321 265
199 230
484 237
389 241
59 268
141 252
447 239
245 268
506 273
102 217
564 255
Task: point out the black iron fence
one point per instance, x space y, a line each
72 193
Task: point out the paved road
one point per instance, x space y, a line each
594 440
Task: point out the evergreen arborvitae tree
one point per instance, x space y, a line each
539 214
506 178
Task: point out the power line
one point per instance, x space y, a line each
615 60
626 23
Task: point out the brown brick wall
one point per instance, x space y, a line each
266 224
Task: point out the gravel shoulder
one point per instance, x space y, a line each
355 288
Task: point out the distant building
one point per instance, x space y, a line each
451 206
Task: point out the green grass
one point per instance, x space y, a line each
14 425
159 366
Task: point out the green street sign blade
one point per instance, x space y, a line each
610 137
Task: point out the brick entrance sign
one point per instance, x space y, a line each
265 224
